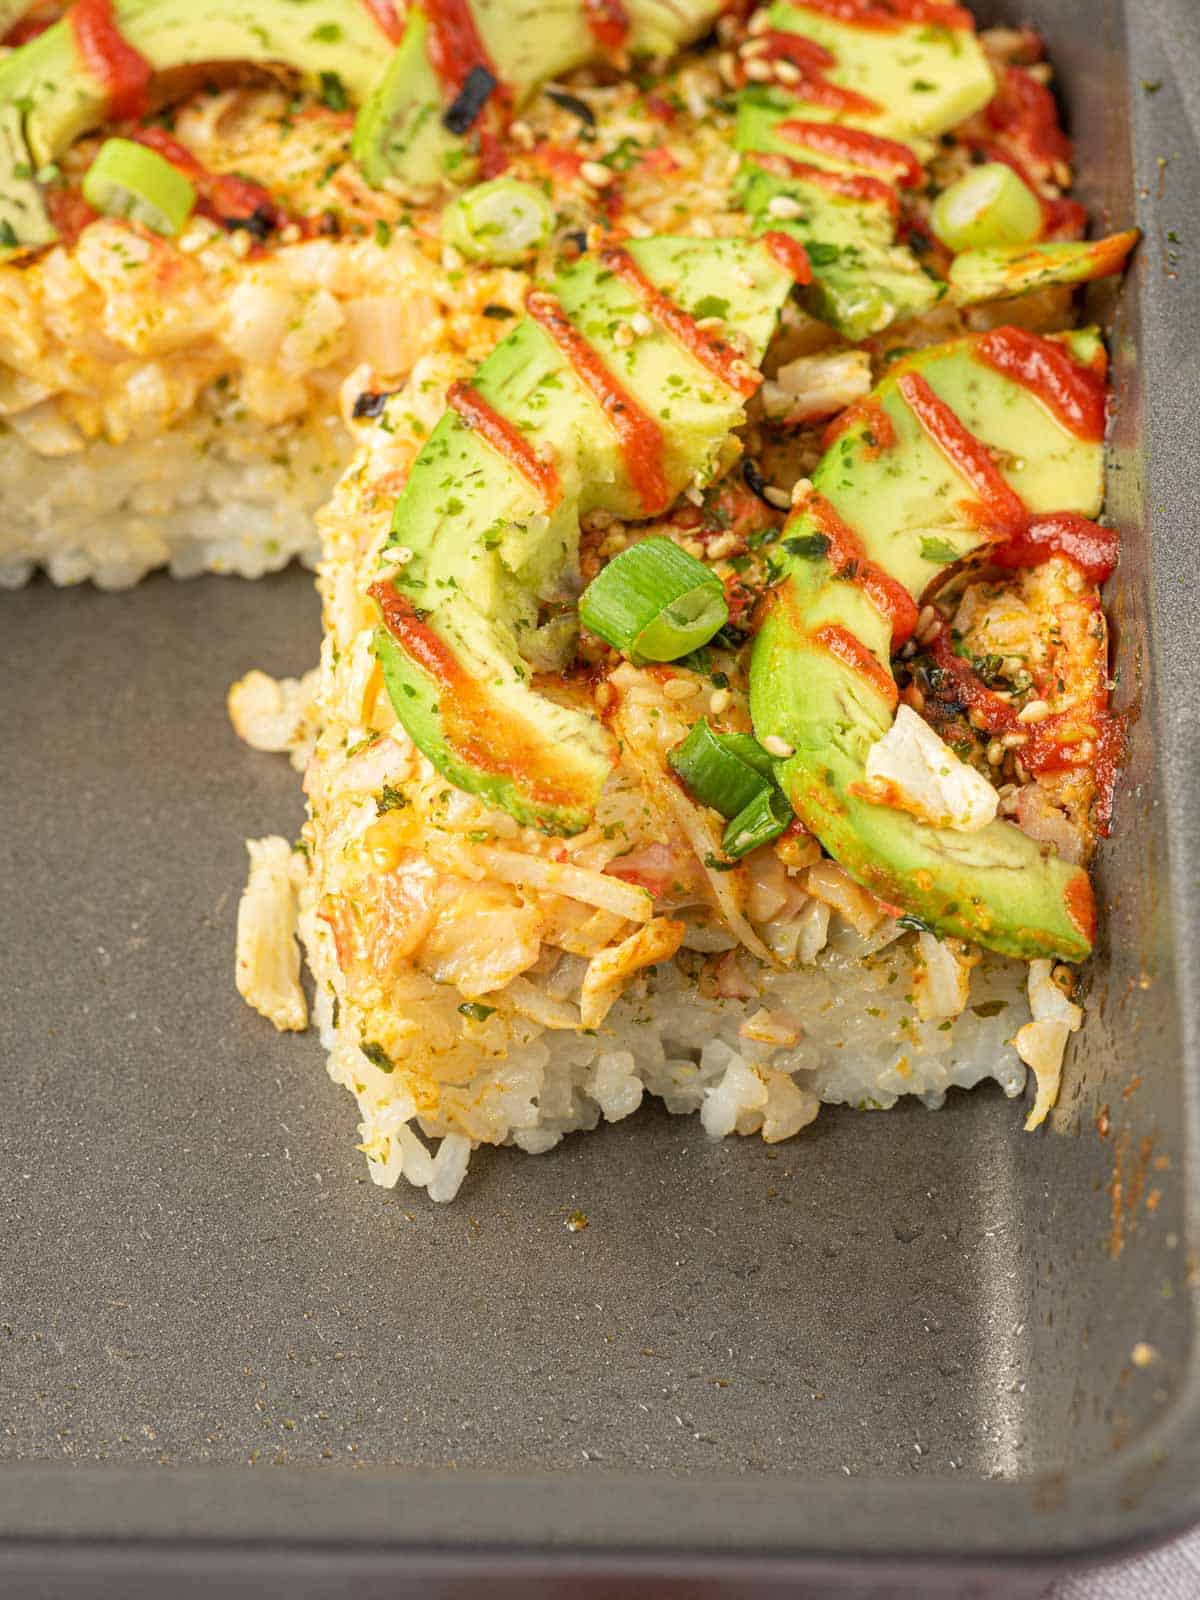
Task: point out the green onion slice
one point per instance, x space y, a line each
128 180
502 221
714 769
764 819
654 602
987 207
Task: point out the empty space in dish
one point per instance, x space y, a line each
195 1271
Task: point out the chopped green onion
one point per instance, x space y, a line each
713 769
654 602
764 819
129 180
987 207
502 221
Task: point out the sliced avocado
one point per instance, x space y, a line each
23 217
400 130
908 507
49 97
923 78
485 552
918 80
978 275
862 280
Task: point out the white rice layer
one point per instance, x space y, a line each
208 495
861 1044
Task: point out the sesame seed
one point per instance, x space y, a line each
720 700
784 208
694 494
801 491
929 621
786 72
728 68
711 324
1014 741
777 497
760 22
754 47
1035 711
758 71
775 746
239 243
742 276
641 324
596 174
1019 768
995 753
623 336
400 554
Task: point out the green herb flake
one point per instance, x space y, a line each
808 546
377 1055
332 92
390 799
476 1011
939 550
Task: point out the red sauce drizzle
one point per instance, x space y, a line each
879 433
223 196
858 147
999 507
474 725
506 441
1023 110
455 45
721 359
1074 393
69 212
1093 549
384 13
1051 745
1080 901
890 14
848 559
790 254
608 22
848 185
853 653
812 61
124 73
639 436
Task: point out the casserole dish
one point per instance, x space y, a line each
224 1359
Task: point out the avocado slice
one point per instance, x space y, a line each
914 81
400 129
49 97
484 547
862 280
830 694
979 275
922 77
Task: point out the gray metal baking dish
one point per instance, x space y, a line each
921 1346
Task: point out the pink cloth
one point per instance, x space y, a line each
1172 1573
